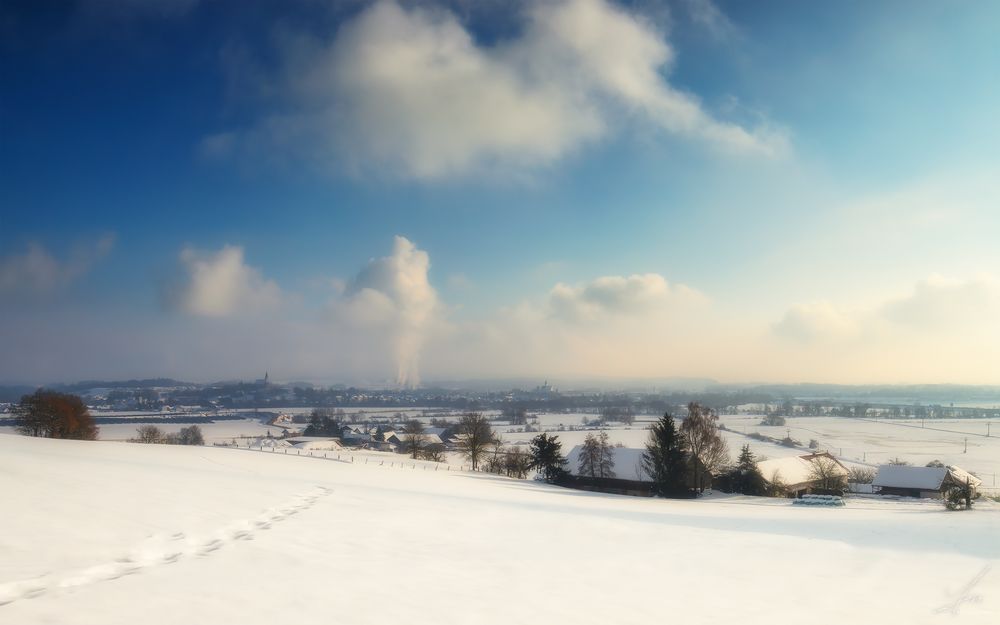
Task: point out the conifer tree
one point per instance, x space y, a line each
665 459
746 477
547 458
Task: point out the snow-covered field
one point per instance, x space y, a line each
958 442
105 532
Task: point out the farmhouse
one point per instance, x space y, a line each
798 475
923 482
315 443
627 475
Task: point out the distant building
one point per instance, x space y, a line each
923 482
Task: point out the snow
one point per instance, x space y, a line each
118 533
927 478
791 470
958 442
628 462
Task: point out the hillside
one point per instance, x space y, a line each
104 532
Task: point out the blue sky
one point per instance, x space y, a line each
777 191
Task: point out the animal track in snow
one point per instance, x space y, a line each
158 550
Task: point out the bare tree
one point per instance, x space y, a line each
148 434
776 485
413 437
707 450
828 474
861 475
597 456
475 435
517 463
190 435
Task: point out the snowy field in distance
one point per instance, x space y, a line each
118 533
876 442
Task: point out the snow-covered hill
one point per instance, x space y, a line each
103 532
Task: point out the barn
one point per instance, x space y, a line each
923 482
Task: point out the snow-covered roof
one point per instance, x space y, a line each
926 478
794 469
308 439
401 437
628 463
962 476
923 478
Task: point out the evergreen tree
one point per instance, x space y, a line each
745 477
665 459
547 458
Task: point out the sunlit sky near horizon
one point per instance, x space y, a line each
415 191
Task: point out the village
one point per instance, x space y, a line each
800 472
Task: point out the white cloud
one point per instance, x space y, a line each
223 285
410 91
817 320
618 295
707 15
37 271
942 330
946 304
392 297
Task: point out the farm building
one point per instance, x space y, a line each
923 482
315 443
798 475
627 475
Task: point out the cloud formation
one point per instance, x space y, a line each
393 296
410 91
815 321
37 271
619 295
221 284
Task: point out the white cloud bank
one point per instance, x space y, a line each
618 296
942 330
37 271
393 296
410 91
221 284
389 324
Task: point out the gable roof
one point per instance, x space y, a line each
628 463
923 478
401 438
795 469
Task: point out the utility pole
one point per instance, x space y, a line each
966 450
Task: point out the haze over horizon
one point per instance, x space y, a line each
443 189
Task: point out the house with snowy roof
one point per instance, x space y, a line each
798 475
923 482
315 443
401 440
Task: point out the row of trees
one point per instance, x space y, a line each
190 435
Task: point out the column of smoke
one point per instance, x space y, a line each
402 279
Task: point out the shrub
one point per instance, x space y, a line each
54 415
957 498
